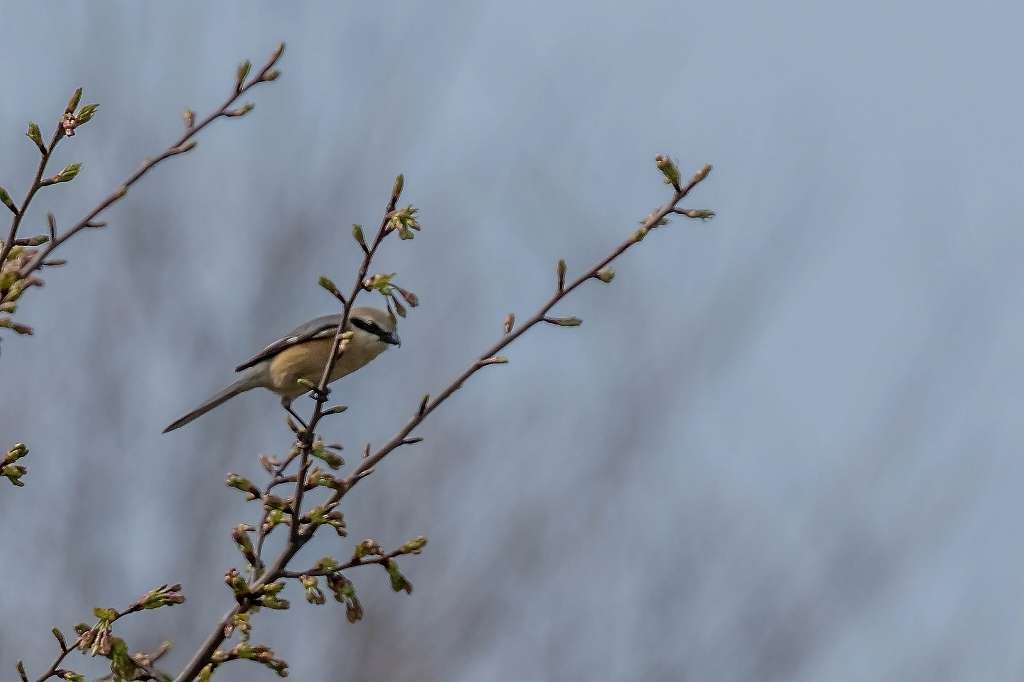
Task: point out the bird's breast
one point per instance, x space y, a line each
307 361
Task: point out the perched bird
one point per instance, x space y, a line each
302 354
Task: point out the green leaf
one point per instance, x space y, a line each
241 483
85 114
668 169
68 173
399 582
414 546
242 72
76 97
7 280
165 595
331 459
405 217
564 321
6 200
107 615
122 665
36 136
13 473
379 282
327 284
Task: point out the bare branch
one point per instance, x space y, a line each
183 144
489 356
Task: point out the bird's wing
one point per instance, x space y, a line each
320 327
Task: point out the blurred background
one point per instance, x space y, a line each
780 447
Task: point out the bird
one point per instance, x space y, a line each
302 354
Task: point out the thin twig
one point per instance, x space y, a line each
356 561
486 358
37 184
52 670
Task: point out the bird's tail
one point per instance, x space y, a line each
250 379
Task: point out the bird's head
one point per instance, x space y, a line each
373 326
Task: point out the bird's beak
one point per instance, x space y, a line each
391 338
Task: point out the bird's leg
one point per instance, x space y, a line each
286 403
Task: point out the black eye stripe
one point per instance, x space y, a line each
367 326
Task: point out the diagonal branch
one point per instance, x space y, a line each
183 144
299 536
490 356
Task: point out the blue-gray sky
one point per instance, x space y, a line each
782 446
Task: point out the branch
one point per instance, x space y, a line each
37 182
368 552
356 561
297 537
99 640
182 145
490 356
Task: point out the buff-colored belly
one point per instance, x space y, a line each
307 361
